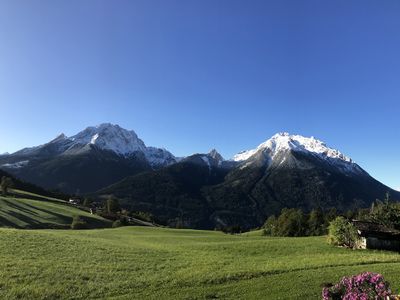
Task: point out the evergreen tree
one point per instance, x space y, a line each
330 215
386 213
112 205
87 202
316 222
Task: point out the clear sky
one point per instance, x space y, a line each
193 75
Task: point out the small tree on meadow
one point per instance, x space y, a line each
6 184
78 223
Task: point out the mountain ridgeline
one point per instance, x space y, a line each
285 171
88 161
203 190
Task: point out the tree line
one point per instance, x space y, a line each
294 222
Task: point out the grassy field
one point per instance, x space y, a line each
158 263
34 211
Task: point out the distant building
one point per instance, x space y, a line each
74 201
376 236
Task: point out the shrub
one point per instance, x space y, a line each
364 286
144 216
342 233
117 223
78 223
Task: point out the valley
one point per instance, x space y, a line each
112 166
202 190
197 150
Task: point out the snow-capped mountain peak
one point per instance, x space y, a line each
105 136
282 142
59 137
110 137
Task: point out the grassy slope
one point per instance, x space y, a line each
151 263
30 195
42 212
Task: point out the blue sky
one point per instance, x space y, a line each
194 75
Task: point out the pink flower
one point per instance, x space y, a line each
364 286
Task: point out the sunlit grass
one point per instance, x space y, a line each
151 263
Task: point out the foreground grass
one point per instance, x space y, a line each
42 212
151 263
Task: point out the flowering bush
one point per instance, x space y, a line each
364 286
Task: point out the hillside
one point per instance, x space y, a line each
29 187
202 191
172 194
28 210
197 195
156 263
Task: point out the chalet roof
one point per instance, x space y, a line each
366 229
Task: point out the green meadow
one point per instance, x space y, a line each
159 263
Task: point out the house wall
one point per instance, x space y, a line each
362 244
377 243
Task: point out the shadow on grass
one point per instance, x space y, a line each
20 207
7 223
38 221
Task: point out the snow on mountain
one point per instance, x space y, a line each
60 137
16 165
282 142
105 136
159 157
110 137
212 159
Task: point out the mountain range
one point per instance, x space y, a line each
201 190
